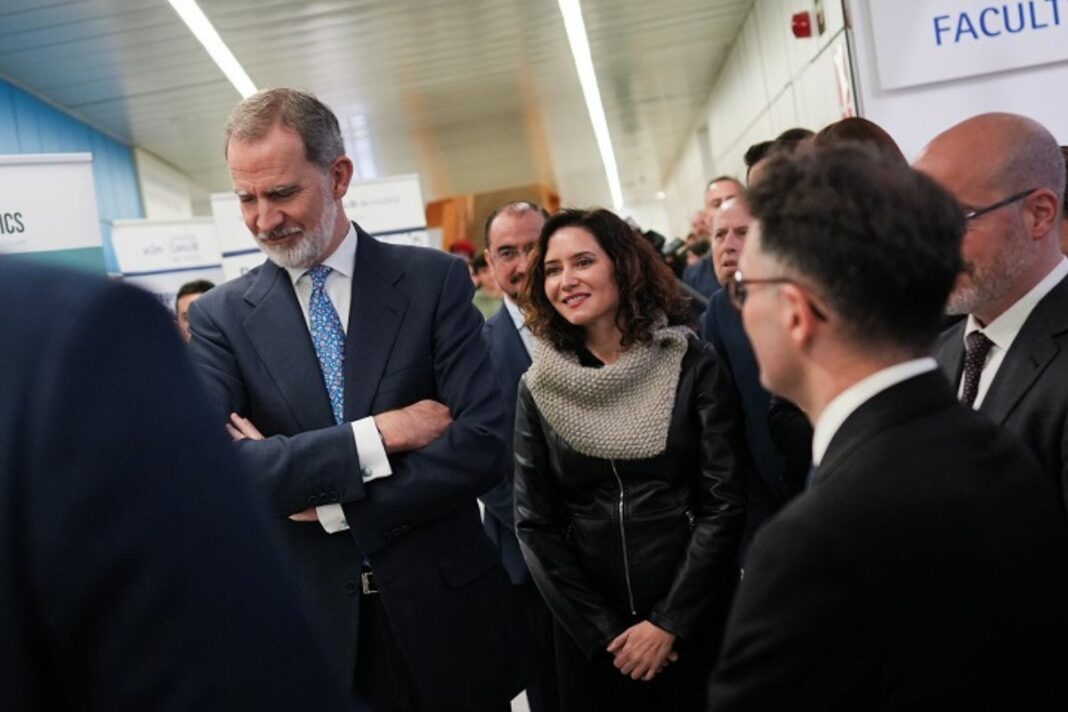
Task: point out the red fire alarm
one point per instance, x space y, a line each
801 25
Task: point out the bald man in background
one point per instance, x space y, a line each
1009 358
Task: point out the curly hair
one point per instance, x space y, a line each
647 287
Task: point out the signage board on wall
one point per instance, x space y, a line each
390 208
925 41
162 255
32 220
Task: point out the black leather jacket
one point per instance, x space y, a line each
610 542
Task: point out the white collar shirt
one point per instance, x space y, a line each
849 400
1004 329
520 322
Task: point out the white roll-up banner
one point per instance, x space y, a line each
162 255
48 209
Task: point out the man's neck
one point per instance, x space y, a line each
827 382
1027 281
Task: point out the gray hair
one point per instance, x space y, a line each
310 118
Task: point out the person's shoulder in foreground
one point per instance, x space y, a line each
135 569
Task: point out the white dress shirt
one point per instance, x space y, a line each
1003 330
520 324
847 402
369 447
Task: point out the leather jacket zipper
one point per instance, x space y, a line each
623 541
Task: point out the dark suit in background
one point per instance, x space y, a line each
412 335
510 361
771 483
927 569
1029 393
136 569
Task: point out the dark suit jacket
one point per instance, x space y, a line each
412 335
770 484
510 361
702 277
927 568
1029 393
137 571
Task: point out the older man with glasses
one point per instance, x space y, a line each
1009 358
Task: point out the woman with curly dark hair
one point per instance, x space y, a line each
629 488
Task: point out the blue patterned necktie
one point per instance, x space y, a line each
329 340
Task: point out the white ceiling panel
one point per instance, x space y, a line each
474 95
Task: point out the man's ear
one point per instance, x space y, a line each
1041 214
800 319
340 176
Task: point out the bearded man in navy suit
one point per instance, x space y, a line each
350 373
511 233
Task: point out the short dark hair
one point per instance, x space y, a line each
700 248
197 286
647 286
516 207
860 130
756 152
795 135
1064 153
878 241
479 262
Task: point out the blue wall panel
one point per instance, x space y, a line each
28 125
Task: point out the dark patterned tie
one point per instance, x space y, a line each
976 348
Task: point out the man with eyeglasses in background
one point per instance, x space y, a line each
511 233
1009 358
924 566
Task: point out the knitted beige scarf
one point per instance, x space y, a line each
621 411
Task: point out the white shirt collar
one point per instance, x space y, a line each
1003 330
516 313
342 261
847 402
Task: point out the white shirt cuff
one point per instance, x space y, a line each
332 517
370 450
373 463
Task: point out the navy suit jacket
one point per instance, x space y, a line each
137 568
771 484
702 277
412 334
1029 393
510 361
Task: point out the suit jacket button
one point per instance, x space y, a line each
313 500
334 497
351 588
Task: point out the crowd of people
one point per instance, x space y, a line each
840 484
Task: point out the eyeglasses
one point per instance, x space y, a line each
511 254
973 214
738 291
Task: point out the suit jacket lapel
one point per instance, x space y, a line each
277 330
950 352
375 316
1031 352
515 350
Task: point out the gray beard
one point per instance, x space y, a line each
308 251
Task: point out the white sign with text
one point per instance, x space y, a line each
48 204
924 41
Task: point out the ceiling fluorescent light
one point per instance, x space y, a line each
201 27
580 51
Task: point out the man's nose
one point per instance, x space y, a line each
267 217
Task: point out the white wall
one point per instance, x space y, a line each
770 82
167 193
